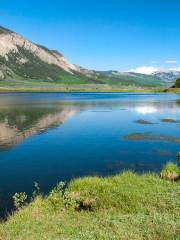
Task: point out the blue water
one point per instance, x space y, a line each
50 137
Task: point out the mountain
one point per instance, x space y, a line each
20 57
168 76
22 62
136 79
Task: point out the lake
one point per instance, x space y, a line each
52 137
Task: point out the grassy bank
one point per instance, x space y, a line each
39 86
125 206
79 88
173 90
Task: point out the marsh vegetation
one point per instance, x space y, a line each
148 136
142 121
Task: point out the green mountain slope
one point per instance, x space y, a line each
132 79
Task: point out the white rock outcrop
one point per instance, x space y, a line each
9 42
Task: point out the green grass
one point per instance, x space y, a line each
172 90
125 206
133 79
171 168
21 85
171 171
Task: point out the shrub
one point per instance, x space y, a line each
77 201
37 190
56 196
170 171
19 199
177 84
178 155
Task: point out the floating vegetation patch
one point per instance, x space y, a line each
136 136
150 137
114 164
117 165
163 152
170 120
144 122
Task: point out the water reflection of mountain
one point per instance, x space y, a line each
17 125
21 119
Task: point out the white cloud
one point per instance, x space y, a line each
144 70
171 61
175 69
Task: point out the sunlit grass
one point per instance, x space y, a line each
125 206
20 85
170 171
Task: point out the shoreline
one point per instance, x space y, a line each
76 90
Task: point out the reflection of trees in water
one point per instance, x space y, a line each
178 102
14 131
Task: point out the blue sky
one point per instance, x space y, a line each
103 35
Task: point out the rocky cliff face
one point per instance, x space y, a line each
10 42
20 57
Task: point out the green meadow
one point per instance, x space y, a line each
41 86
125 206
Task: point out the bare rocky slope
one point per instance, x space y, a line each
19 56
12 43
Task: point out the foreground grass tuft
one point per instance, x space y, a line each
125 206
171 172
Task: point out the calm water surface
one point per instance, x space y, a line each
48 137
